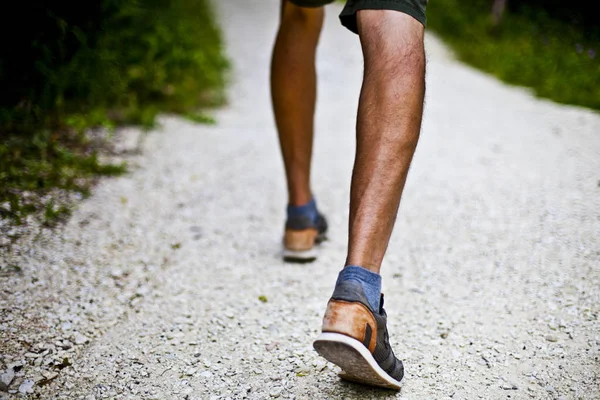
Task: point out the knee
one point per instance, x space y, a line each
308 17
392 42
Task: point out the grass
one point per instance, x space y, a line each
118 63
558 59
36 170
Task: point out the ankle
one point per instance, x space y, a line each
308 209
370 282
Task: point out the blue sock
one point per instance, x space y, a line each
309 210
370 281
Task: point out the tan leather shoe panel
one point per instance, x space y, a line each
351 319
300 240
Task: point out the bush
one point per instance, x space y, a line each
68 67
554 53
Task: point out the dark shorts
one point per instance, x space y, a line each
414 8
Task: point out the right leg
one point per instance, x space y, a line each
355 335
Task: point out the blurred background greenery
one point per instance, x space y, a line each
68 67
550 46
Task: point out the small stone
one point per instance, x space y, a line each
80 339
66 344
509 386
49 375
206 374
26 387
271 346
562 324
551 338
276 391
6 378
116 273
190 371
15 364
31 355
302 371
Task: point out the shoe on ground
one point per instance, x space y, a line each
355 338
301 236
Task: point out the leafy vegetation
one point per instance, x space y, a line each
67 68
548 45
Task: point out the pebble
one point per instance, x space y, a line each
26 387
6 378
551 338
49 375
66 345
206 374
276 391
80 339
509 386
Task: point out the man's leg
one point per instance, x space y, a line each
293 91
389 120
388 125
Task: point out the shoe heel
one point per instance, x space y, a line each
352 319
305 256
355 360
300 240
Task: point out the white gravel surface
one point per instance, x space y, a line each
153 289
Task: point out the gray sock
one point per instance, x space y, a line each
370 281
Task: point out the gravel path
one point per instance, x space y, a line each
167 283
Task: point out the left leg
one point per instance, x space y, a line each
293 92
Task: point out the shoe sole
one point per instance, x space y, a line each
355 360
299 256
303 256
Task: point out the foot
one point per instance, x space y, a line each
355 338
302 234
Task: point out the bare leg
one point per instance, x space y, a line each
388 125
293 91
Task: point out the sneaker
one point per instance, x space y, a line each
355 338
301 236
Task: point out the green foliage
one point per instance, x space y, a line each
69 67
33 166
558 58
